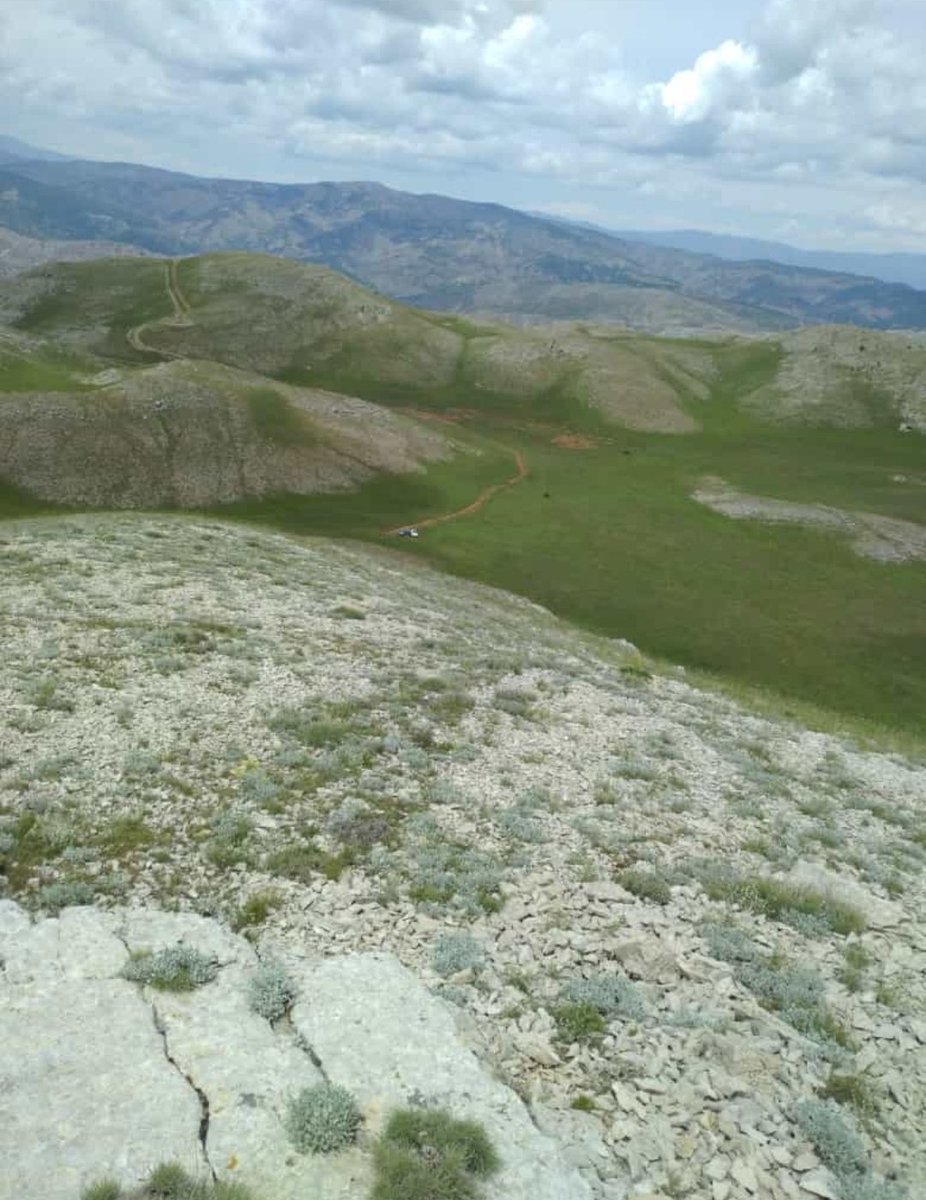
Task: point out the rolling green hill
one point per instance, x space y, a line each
562 462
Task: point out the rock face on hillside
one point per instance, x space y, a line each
187 435
106 1078
18 253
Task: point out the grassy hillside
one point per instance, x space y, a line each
616 432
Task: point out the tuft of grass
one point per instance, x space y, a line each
803 908
303 861
256 909
795 993
177 968
103 1189
228 846
854 1091
46 693
349 612
425 1154
583 1103
578 1022
125 835
852 974
322 1119
646 885
170 1181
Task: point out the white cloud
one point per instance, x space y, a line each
816 97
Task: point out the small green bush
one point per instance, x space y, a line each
322 1119
578 1022
103 1189
797 994
426 1154
855 1091
455 952
271 992
169 1181
256 909
647 885
837 1145
228 846
611 995
67 894
806 910
178 968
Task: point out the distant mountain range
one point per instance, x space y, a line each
891 268
440 253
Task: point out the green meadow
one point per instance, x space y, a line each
607 536
610 539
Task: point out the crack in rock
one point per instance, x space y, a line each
161 1031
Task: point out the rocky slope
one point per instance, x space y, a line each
692 939
442 253
193 435
18 254
122 1076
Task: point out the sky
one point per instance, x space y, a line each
799 120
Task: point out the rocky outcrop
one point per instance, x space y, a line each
103 1077
190 435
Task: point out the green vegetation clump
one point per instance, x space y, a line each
455 952
854 1091
578 1022
852 974
322 1119
103 1189
354 824
169 1181
425 1154
271 992
797 994
611 995
806 910
45 693
647 885
840 1148
278 420
256 909
65 894
177 968
457 876
228 844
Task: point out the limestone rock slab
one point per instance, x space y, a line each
248 1071
86 1090
378 1032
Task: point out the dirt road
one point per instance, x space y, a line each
480 502
180 317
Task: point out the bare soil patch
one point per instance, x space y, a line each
574 441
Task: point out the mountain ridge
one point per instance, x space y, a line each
436 252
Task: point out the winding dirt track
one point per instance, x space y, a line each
480 502
180 318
